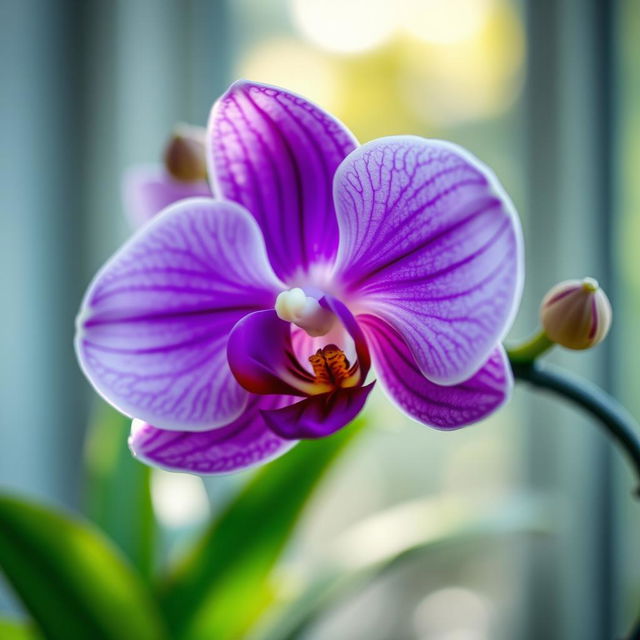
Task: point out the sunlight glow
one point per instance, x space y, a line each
445 21
453 613
345 26
179 499
478 77
291 64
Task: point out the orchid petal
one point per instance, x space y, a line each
244 443
262 358
153 326
318 416
429 242
276 153
442 407
147 190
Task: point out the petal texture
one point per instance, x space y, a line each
147 190
244 443
430 242
276 154
443 407
153 327
318 416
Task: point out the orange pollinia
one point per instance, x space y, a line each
576 314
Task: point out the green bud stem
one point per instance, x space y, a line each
531 349
616 420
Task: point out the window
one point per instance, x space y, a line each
546 93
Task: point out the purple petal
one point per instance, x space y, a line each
244 443
153 326
318 416
442 407
430 242
149 189
276 154
262 358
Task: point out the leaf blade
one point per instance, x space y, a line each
118 496
72 581
222 586
17 630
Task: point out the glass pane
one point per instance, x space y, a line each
625 251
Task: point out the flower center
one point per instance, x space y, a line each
304 311
330 366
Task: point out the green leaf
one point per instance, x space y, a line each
16 630
222 585
74 583
401 534
118 489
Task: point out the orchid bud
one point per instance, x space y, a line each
184 155
576 314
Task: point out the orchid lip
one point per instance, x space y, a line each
263 359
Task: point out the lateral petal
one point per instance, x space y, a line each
430 242
442 407
153 327
243 444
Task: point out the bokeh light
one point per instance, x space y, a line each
287 62
445 21
179 499
345 26
387 68
477 77
453 613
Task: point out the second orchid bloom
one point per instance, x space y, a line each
233 325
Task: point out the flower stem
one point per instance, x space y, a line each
618 422
529 350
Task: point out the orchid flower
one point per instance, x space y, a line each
232 326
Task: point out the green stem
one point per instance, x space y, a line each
617 421
531 349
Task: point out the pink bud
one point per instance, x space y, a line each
576 314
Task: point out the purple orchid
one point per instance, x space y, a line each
232 327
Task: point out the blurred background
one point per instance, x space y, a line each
547 92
